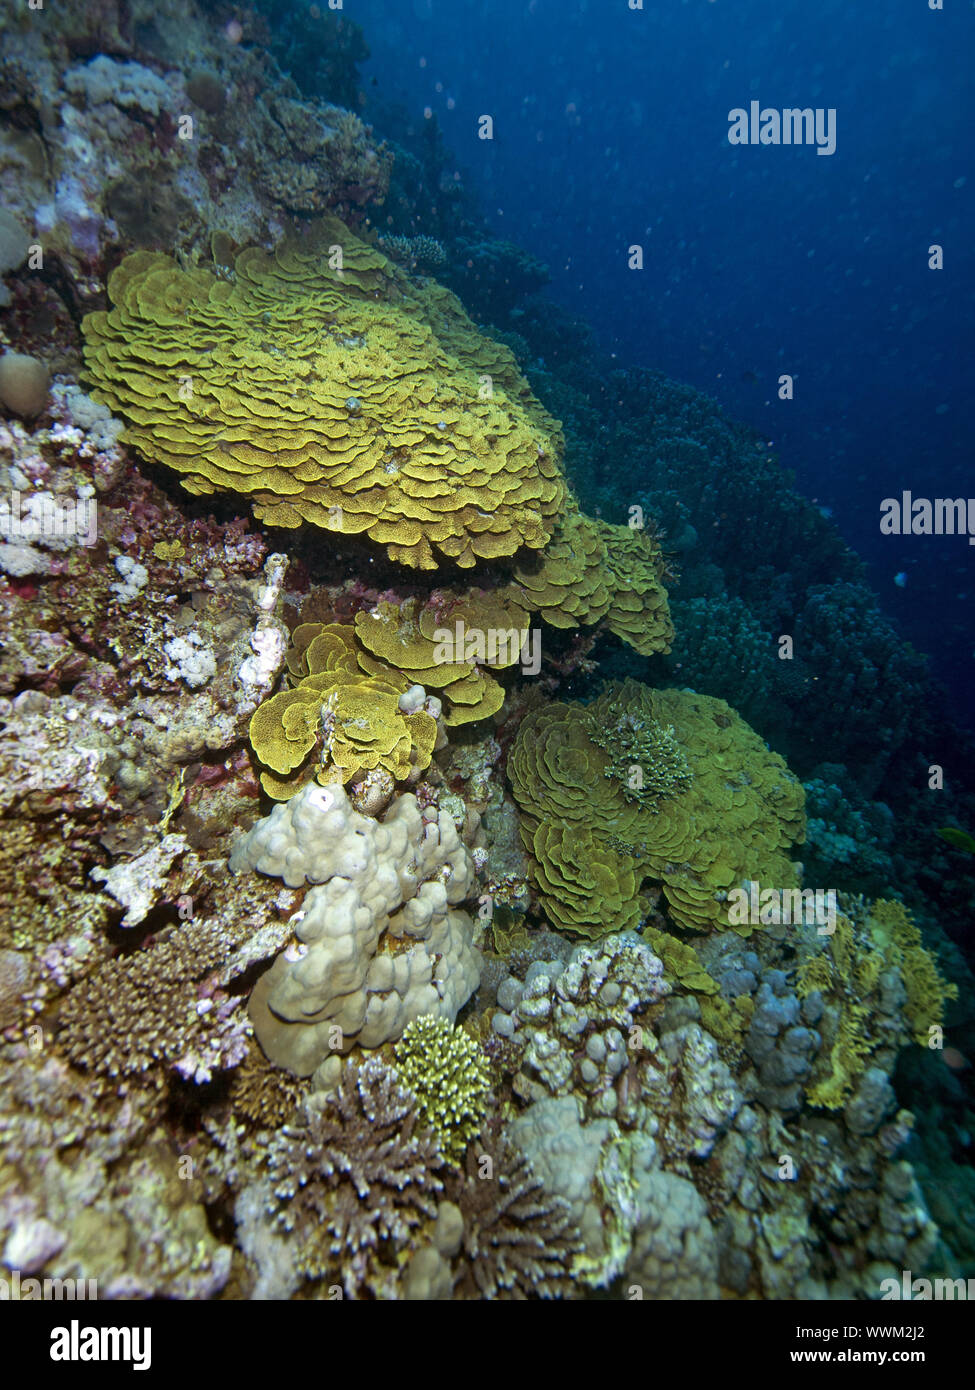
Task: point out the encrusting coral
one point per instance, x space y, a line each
725 809
871 972
448 1073
379 941
354 1179
322 383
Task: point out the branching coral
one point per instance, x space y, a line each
267 1096
448 1073
325 385
518 1241
353 1180
157 1007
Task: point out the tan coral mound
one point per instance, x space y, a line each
322 383
380 940
725 808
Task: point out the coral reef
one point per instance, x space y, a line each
471 1014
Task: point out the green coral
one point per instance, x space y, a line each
448 1073
733 812
864 946
644 756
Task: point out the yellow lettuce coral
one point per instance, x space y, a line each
318 380
591 571
338 722
445 644
353 705
730 810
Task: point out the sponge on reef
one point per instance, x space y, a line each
325 385
723 808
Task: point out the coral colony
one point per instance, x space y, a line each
411 889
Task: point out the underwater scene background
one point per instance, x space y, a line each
486 746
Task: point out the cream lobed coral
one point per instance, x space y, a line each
381 938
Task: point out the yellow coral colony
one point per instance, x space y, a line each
368 695
591 571
322 383
725 811
847 970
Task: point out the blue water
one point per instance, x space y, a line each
611 129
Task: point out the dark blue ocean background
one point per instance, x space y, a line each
611 128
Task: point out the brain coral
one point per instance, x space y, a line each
381 939
321 382
723 808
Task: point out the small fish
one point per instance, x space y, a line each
900 579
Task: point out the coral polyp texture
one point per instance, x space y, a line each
380 940
650 784
321 383
448 1073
